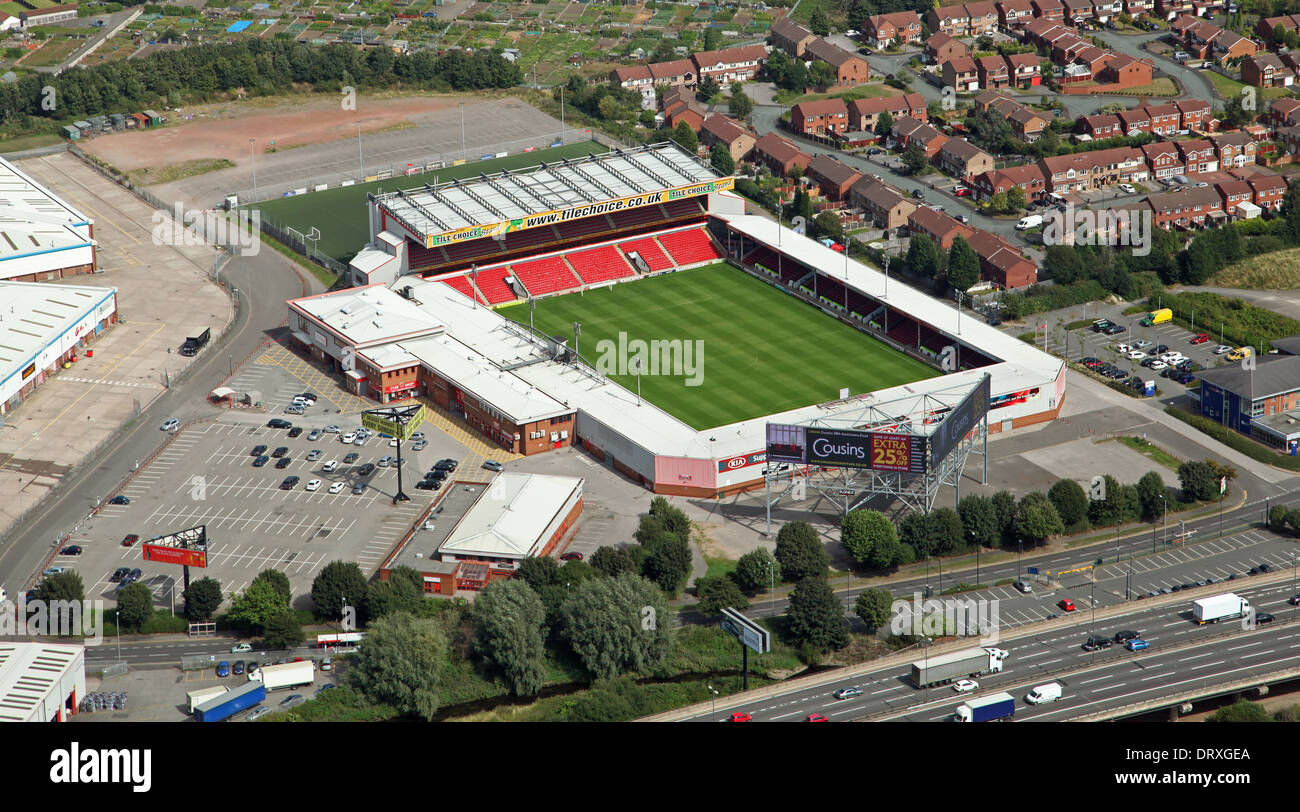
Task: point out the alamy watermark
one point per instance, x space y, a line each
40 618
182 226
942 617
677 358
1113 227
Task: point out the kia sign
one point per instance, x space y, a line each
174 555
742 461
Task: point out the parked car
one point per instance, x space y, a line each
293 409
278 423
119 574
295 431
347 438
1114 329
280 451
493 465
1024 586
1066 605
350 457
260 461
1221 349
71 549
337 487
170 425
313 455
571 556
1127 188
1142 343
119 500
961 191
917 194
366 470
358 489
313 484
289 483
314 435
130 540
283 463
386 461
223 669
238 668
1200 338
331 429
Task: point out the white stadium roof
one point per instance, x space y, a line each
505 196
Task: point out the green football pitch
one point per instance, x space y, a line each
340 213
760 351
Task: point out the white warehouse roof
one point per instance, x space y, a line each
511 516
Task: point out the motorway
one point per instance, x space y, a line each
1182 656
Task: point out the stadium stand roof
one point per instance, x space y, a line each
507 197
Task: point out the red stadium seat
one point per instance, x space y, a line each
493 284
461 283
546 275
690 247
600 264
650 251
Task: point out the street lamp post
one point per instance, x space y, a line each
1020 549
253 156
713 695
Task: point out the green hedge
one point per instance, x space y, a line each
1242 323
1235 440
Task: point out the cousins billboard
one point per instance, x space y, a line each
846 448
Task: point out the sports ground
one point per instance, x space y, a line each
340 213
763 351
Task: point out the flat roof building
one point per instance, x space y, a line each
41 682
42 236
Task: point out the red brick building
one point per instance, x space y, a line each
823 117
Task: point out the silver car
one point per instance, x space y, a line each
259 712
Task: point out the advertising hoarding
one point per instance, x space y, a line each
380 423
846 448
958 423
742 461
174 555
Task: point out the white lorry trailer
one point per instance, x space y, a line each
288 675
968 663
1219 607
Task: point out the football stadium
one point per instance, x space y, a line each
623 302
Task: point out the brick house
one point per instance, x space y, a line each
1163 159
822 117
1051 10
962 74
1194 114
780 155
1268 191
1135 121
1077 11
1126 71
888 207
1095 60
1233 193
1027 125
950 20
1266 70
1284 113
1165 118
791 37
863 113
1099 126
983 18
1139 8
1037 30
1027 176
938 226
1000 262
1265 27
1186 207
1087 171
1025 70
992 72
719 129
908 131
1015 14
1198 156
881 30
730 64
1234 149
675 73
850 69
942 48
962 159
834 178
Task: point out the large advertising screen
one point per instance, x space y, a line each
174 555
846 448
960 421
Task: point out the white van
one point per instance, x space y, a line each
1029 221
1044 693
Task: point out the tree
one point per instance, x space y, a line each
884 123
664 50
539 572
707 89
875 607
1197 481
819 24
1016 199
134 605
62 586
1277 516
719 592
862 530
755 570
979 520
1062 264
946 529
392 595
616 625
739 105
914 532
340 584
828 225
647 118
915 160
1005 505
1036 518
400 664
822 75
609 109
1070 501
712 38
815 618
685 136
510 621
669 562
963 265
260 602
613 561
283 631
1151 496
279 581
720 158
202 599
800 552
1243 710
924 256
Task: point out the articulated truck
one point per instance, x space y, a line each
288 675
231 702
195 343
203 695
969 663
1219 607
986 709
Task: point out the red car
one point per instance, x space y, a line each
130 540
1066 605
961 191
740 716
816 717
571 557
1201 338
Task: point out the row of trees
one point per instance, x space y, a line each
959 268
261 67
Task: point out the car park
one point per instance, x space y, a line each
337 487
278 423
962 686
119 500
296 431
258 450
260 461
848 693
283 463
170 425
289 483
313 484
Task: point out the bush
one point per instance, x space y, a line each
1235 440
